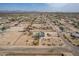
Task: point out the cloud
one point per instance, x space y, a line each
56 5
64 7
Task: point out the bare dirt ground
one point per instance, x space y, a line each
42 30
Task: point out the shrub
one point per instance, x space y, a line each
3 28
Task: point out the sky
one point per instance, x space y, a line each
48 7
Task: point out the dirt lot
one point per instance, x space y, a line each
42 30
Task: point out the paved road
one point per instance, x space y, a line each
33 51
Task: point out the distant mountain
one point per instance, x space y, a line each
21 11
17 11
